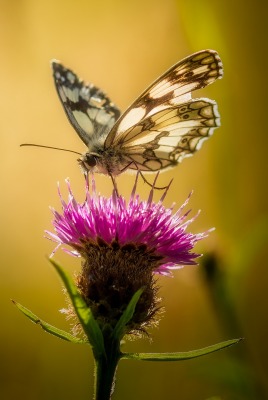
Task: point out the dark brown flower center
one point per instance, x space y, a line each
111 275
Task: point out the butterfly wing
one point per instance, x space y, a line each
88 109
164 124
166 137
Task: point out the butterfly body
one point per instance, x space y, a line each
163 126
110 161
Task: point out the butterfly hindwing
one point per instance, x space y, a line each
166 137
89 110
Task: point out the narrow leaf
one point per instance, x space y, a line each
84 314
181 355
47 327
127 315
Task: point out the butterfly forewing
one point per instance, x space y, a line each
89 110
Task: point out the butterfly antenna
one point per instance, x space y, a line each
49 147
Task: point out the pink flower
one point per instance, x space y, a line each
123 245
137 222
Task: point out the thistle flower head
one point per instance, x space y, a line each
123 245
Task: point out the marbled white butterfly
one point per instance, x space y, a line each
163 126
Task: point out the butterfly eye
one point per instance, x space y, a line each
90 160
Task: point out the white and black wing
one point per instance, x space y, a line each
165 124
88 109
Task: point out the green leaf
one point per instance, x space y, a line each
180 356
84 314
119 330
47 327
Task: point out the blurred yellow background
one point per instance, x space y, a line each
122 47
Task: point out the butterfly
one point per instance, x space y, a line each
162 127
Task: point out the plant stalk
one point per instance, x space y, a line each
105 370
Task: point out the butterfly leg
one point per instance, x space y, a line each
152 185
126 167
114 184
85 173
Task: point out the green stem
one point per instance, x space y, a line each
105 370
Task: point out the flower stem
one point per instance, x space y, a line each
105 369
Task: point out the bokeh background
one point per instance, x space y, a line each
122 46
